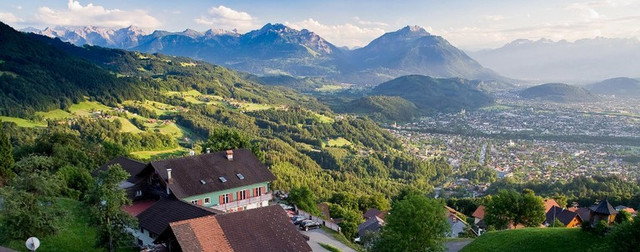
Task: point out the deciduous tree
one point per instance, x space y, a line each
415 223
106 199
6 158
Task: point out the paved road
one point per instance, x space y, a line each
456 245
318 235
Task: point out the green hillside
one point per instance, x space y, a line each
435 95
386 108
536 239
558 92
44 78
159 106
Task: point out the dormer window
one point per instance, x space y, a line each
240 176
222 179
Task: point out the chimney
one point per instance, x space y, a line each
208 150
230 155
169 178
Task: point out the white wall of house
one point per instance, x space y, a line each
142 235
456 228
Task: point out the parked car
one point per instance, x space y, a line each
297 219
286 207
309 224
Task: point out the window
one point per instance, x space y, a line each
138 193
259 191
225 198
195 202
222 179
207 200
242 195
240 176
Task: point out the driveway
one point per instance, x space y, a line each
455 246
317 236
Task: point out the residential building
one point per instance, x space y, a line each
372 212
372 225
600 211
568 218
456 223
228 181
260 229
135 185
478 214
156 217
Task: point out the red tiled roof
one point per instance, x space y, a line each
138 207
262 229
549 203
479 213
200 234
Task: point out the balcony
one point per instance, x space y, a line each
240 203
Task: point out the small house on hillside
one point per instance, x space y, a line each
478 214
596 213
568 218
549 203
456 223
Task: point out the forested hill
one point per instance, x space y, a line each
558 92
435 94
153 106
36 76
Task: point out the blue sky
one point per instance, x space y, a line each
467 24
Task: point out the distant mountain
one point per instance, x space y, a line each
434 94
412 50
583 60
558 92
105 37
276 49
620 87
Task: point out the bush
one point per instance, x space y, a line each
601 228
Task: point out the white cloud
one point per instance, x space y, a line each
473 38
346 34
10 18
222 17
77 15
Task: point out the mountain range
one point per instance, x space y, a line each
582 61
276 49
